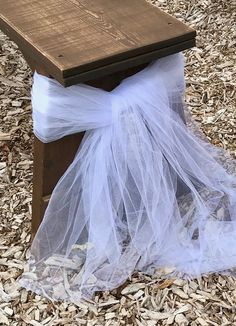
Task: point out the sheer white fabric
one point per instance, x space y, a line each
144 192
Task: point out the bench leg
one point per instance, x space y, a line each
50 162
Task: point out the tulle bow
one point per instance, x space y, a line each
145 190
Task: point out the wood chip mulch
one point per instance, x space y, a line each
142 301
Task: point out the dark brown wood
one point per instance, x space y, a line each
129 63
50 162
79 40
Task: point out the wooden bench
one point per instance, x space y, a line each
96 42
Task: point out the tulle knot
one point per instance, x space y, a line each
119 105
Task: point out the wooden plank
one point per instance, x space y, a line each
76 37
126 64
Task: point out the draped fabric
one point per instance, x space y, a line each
146 191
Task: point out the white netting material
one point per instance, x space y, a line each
144 192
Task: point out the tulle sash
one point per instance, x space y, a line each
143 192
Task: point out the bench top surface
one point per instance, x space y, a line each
77 37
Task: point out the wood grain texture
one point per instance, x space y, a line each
85 39
50 162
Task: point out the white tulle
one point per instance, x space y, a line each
145 192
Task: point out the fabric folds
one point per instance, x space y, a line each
145 192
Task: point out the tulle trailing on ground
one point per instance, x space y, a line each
145 192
